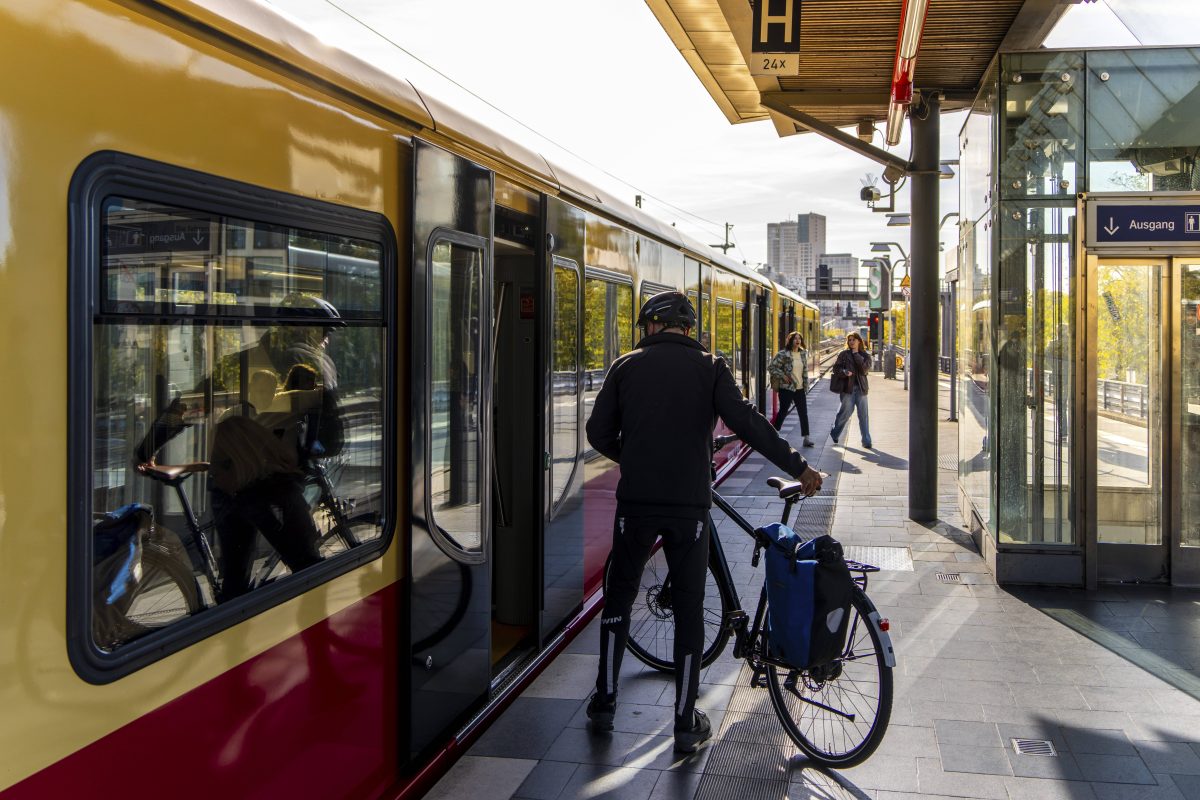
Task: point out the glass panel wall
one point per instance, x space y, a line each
1143 110
1041 130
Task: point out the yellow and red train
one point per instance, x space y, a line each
185 189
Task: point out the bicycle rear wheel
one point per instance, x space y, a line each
652 619
838 713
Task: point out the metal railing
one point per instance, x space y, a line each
1125 399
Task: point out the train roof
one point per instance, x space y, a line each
414 104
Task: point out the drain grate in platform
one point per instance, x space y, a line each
1034 747
949 577
893 558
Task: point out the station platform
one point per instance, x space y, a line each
1111 678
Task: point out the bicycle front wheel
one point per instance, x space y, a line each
838 713
334 540
652 619
166 593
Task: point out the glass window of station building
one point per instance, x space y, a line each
1079 352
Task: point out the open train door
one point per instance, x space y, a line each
449 605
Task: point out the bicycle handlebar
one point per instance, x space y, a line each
721 442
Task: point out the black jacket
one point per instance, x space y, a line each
655 416
857 364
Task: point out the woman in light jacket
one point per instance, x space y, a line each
789 378
849 380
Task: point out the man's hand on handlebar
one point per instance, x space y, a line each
811 481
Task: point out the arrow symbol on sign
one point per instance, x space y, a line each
198 238
1112 228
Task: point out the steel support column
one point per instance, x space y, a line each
923 312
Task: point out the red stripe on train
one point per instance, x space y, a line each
313 717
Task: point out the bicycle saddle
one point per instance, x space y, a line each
168 473
786 488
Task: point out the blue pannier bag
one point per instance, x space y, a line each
809 589
117 551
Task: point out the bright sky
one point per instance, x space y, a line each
603 81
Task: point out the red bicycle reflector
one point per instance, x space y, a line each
884 625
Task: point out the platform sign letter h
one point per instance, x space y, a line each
776 26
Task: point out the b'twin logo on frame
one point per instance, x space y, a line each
611 620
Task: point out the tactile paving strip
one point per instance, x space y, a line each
898 559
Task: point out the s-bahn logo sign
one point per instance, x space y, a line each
1148 221
775 38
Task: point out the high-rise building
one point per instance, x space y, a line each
793 248
810 245
781 249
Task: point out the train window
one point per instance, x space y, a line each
724 332
232 428
564 378
456 328
607 334
739 324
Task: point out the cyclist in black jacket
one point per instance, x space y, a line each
655 416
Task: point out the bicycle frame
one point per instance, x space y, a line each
200 531
736 620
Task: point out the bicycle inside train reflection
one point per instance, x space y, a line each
274 460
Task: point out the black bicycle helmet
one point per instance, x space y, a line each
307 305
671 309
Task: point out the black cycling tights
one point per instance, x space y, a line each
685 542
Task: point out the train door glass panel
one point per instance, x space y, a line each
216 344
455 432
564 379
1128 395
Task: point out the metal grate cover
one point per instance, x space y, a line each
1034 747
892 558
949 577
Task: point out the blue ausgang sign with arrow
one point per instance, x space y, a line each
1145 223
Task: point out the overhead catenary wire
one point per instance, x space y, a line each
393 43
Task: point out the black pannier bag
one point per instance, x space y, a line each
809 590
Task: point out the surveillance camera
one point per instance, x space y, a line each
869 194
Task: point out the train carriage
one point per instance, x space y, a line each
295 492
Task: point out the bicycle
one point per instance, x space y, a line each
169 589
836 713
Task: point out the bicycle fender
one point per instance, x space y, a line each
885 640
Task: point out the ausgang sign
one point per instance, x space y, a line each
1171 220
775 38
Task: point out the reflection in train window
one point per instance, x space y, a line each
455 436
607 334
739 357
724 332
237 432
564 379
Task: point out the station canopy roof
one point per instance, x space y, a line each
848 53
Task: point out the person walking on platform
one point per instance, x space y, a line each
790 383
849 380
654 416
